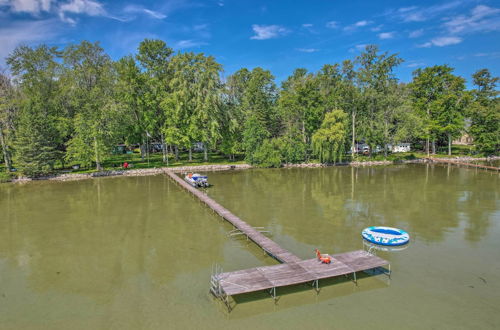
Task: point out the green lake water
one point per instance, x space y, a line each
137 252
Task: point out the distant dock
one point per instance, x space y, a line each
293 269
443 161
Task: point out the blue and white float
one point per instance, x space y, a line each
385 236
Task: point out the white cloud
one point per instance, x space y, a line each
481 19
25 32
263 32
359 48
386 35
332 25
362 23
358 24
136 9
414 64
418 14
33 7
490 55
87 7
307 25
308 50
416 33
377 28
189 44
441 42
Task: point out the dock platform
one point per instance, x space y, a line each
311 270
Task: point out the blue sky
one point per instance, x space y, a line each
277 35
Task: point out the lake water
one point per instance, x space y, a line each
137 252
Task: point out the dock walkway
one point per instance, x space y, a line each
268 245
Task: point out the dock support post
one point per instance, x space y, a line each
355 279
316 285
272 292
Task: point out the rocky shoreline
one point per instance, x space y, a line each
210 168
134 172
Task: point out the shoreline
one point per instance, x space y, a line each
213 168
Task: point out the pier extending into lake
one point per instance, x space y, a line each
293 269
480 166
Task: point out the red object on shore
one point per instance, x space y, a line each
125 165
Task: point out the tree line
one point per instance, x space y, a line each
73 105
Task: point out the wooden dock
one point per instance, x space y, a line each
292 271
268 245
443 161
305 271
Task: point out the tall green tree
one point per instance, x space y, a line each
130 89
485 112
90 76
377 81
329 140
154 58
8 114
301 105
194 105
37 135
438 96
259 105
234 115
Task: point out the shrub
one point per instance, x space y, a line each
267 154
5 177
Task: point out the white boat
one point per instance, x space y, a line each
197 180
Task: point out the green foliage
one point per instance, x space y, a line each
74 105
439 98
329 141
90 74
194 107
301 104
485 113
253 137
35 150
292 148
37 136
267 154
5 177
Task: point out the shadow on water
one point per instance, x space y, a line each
261 302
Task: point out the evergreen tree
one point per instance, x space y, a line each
37 135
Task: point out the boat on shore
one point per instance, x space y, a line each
197 180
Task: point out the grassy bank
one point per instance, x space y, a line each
115 162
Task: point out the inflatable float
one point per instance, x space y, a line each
387 236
